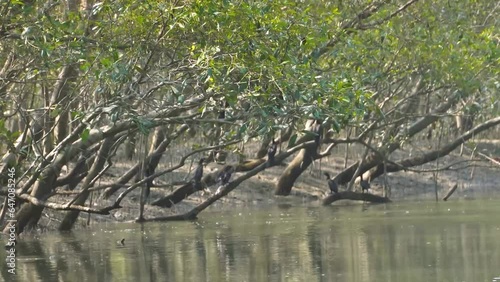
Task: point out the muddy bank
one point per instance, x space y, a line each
480 179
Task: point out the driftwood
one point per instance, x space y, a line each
355 196
450 192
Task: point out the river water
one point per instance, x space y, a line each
404 241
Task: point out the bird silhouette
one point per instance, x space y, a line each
271 152
224 177
334 187
365 185
198 174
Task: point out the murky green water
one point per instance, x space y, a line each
425 241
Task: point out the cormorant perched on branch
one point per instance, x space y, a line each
224 177
365 185
334 187
271 152
198 174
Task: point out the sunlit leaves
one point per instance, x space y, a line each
263 54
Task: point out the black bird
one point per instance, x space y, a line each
225 175
271 152
334 187
198 174
365 185
147 173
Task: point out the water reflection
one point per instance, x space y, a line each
396 242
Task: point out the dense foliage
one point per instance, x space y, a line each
87 71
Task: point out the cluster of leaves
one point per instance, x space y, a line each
261 58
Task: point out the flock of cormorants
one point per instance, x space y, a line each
225 175
334 186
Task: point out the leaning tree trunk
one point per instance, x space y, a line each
300 163
45 181
80 171
61 97
29 214
102 156
154 160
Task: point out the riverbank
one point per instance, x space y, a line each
479 179
474 180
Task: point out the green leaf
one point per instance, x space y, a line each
292 140
85 135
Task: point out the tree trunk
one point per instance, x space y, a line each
262 152
158 138
298 165
158 152
301 162
80 170
102 156
29 214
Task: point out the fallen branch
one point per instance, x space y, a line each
489 158
354 196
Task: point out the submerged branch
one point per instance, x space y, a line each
354 196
